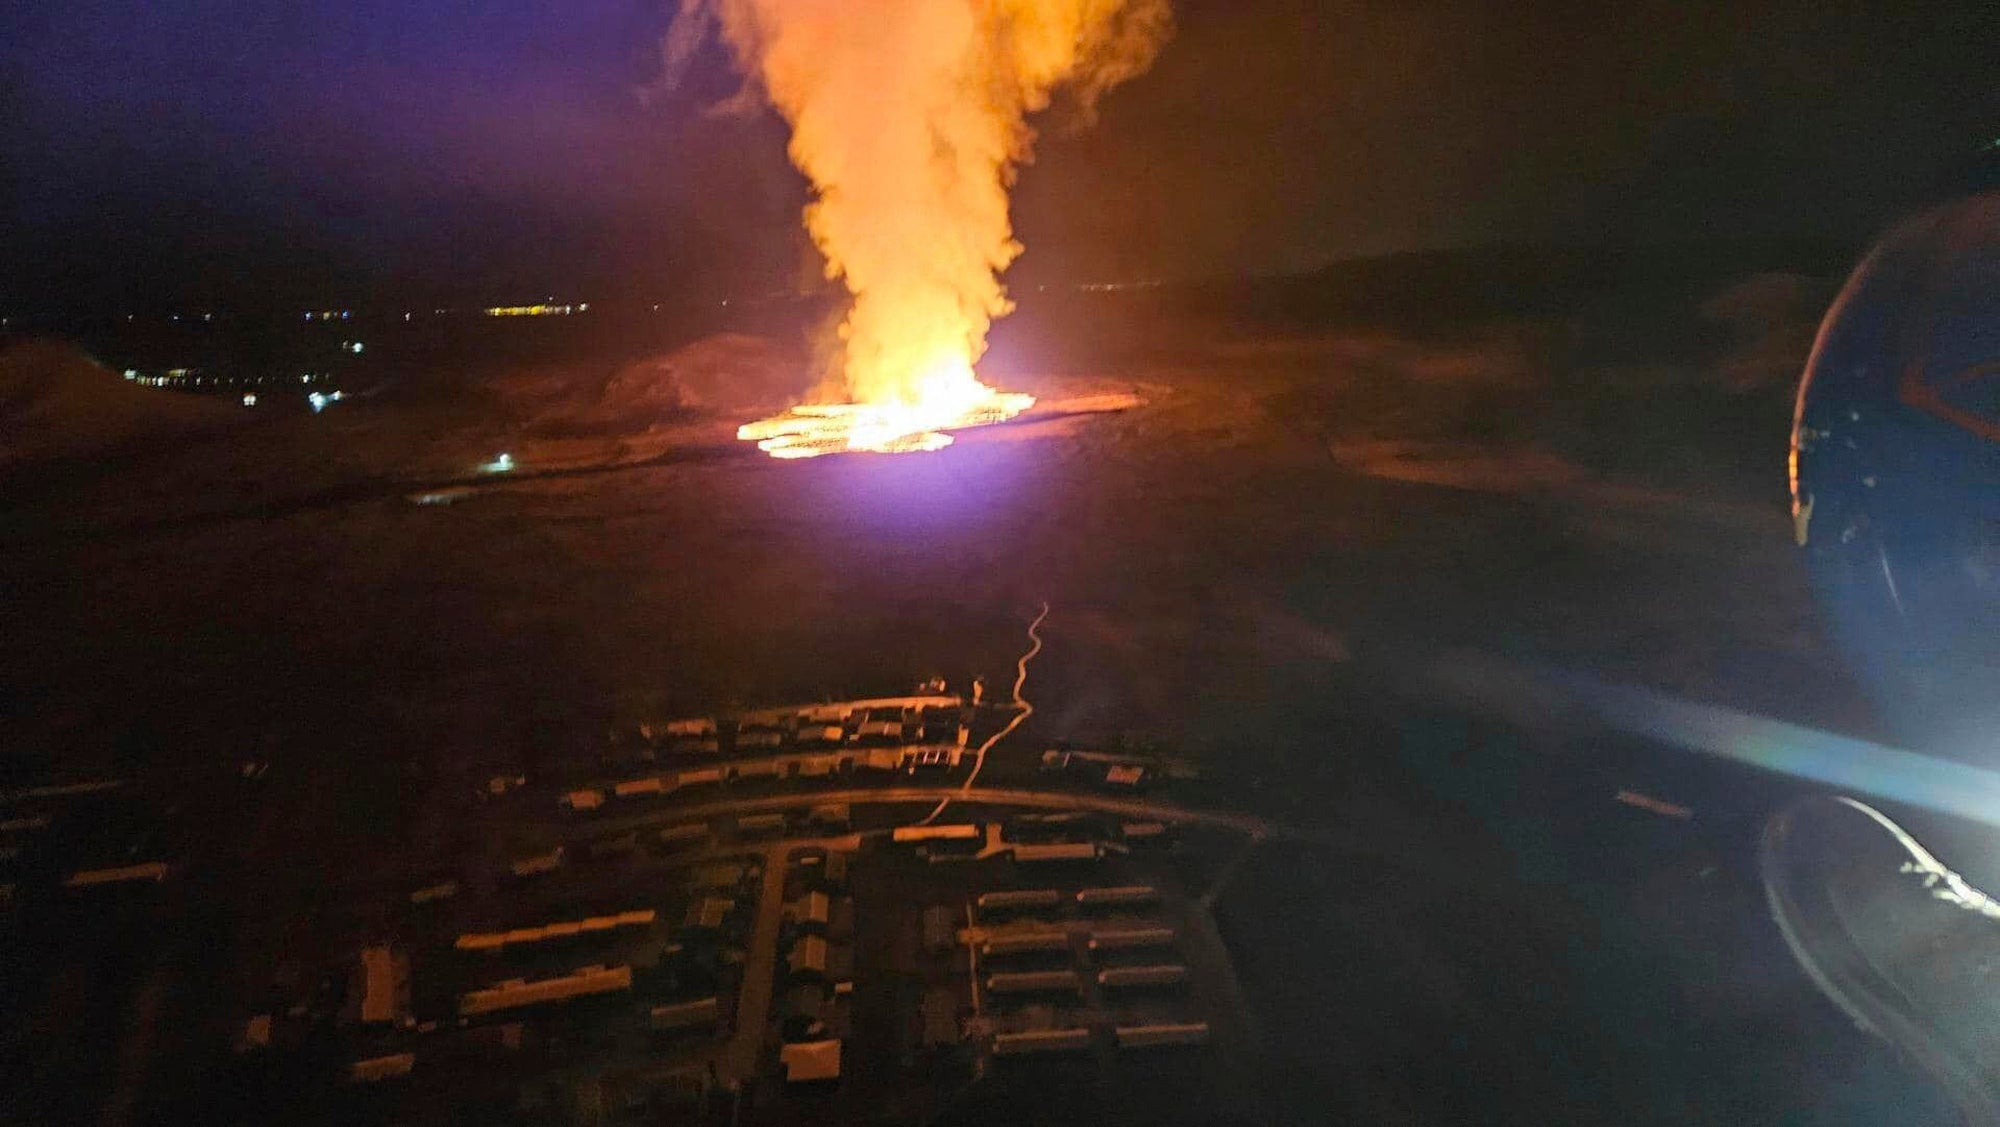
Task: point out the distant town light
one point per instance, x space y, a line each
249 399
501 463
541 309
131 373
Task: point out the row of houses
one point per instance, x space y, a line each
1073 969
880 720
1077 1038
910 759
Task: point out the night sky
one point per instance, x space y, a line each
176 150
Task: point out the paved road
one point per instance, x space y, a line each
1150 809
753 999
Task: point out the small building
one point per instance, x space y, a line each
1124 895
680 1017
385 984
879 758
947 842
812 908
1162 974
685 835
1125 774
634 788
1056 851
443 890
747 769
516 993
879 731
916 759
1022 942
725 874
914 835
697 776
1033 982
709 912
808 956
585 800
1074 1039
540 863
148 872
808 1061
63 790
493 941
256 1034
381 1068
1018 900
1171 1033
816 766
1120 939
821 734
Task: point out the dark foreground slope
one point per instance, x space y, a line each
1328 479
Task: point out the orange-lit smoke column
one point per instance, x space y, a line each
909 118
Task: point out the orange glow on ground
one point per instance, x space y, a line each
949 398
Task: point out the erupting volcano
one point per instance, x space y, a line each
909 117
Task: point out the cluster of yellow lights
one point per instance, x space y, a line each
537 310
951 399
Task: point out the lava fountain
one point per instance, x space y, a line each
909 118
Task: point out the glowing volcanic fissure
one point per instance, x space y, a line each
909 118
951 399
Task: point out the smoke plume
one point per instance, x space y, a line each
909 117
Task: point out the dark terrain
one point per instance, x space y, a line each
1577 459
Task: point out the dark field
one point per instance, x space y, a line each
1330 482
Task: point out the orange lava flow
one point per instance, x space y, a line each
949 399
